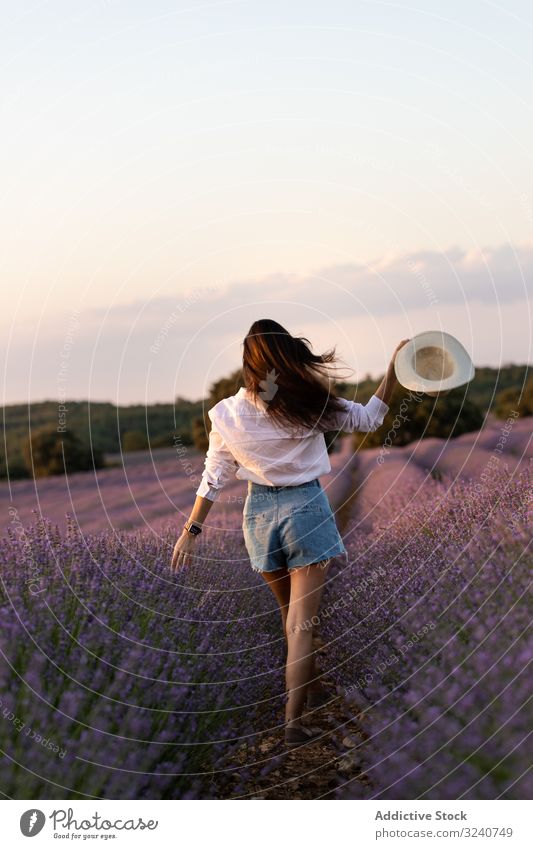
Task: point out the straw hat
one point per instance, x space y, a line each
433 362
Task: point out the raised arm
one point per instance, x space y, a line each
368 417
389 382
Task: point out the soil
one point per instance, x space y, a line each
314 770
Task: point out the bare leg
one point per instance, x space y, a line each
306 590
280 584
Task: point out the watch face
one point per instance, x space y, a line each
194 529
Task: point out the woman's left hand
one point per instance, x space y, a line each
183 550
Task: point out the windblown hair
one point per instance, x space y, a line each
294 383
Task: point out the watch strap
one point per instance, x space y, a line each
193 528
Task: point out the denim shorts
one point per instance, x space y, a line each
289 526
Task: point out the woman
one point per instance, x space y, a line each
271 433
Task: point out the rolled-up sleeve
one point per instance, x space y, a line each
219 467
362 417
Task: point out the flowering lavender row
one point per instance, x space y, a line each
122 680
145 489
429 637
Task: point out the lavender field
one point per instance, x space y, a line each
140 490
440 642
121 680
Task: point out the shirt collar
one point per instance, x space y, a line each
243 393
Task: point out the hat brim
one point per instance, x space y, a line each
462 367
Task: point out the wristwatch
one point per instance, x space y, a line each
193 529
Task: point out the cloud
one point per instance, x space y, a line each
161 347
426 278
389 285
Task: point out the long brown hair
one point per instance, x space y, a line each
294 383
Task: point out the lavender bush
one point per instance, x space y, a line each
122 680
431 640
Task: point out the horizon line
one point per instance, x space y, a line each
199 400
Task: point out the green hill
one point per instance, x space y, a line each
108 427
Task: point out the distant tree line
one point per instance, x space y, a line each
92 429
412 416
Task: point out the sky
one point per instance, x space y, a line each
171 171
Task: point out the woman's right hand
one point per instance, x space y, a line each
398 346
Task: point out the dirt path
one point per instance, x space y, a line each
311 771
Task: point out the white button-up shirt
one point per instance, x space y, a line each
246 443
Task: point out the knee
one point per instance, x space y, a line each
298 624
